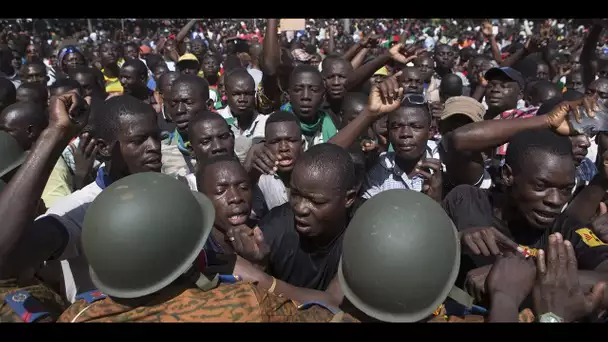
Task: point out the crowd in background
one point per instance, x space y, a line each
349 170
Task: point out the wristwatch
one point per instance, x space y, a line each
550 317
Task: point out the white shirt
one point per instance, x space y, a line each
244 140
70 211
387 175
273 190
257 76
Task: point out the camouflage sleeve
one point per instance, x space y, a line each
43 300
277 308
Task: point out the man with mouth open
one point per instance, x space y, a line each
300 242
538 176
128 140
189 95
282 147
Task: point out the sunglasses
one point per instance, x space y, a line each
415 99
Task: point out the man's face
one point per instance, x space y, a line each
18 129
426 65
32 53
306 95
408 132
130 79
108 53
188 67
474 67
227 186
198 47
159 71
87 83
542 71
137 31
210 66
599 88
411 81
131 52
184 102
502 93
350 110
211 138
138 144
580 145
335 77
34 73
318 204
72 60
575 82
284 139
445 57
543 187
16 61
241 96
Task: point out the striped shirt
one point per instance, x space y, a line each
386 174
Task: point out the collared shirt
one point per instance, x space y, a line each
514 114
387 175
245 139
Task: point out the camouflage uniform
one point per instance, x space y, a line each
34 303
175 163
238 302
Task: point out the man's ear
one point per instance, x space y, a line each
104 149
506 173
351 195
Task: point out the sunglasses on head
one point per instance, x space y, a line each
416 99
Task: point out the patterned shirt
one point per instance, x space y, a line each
513 114
239 302
387 175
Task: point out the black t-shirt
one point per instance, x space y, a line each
288 261
469 207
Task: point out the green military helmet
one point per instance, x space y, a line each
144 231
400 257
11 154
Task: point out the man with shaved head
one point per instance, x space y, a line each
25 121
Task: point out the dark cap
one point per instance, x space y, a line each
509 72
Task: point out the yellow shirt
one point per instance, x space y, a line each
113 85
59 184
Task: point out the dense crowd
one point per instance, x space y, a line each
340 170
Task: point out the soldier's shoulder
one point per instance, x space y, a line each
35 303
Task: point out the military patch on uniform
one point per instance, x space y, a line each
28 312
527 251
589 238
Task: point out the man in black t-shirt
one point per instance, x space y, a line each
538 177
304 236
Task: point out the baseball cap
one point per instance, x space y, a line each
145 49
509 72
188 58
463 105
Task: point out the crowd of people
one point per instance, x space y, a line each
356 170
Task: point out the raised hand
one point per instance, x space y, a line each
386 96
557 288
558 117
69 113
